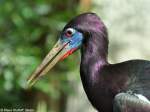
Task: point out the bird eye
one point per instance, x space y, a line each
69 32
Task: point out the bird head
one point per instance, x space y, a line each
71 39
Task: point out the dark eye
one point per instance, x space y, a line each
69 32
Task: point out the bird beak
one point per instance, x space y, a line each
58 52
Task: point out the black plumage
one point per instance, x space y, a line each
103 81
121 87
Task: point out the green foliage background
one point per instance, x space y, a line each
28 29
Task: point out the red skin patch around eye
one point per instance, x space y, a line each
68 53
68 34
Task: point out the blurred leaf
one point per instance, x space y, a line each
42 107
8 76
28 31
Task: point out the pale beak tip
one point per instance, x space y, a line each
31 81
49 61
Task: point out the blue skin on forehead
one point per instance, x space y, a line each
88 22
75 40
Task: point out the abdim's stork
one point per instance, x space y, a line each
121 87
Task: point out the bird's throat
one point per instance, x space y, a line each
92 62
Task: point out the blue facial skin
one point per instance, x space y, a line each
75 41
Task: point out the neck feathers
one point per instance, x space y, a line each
93 56
95 47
